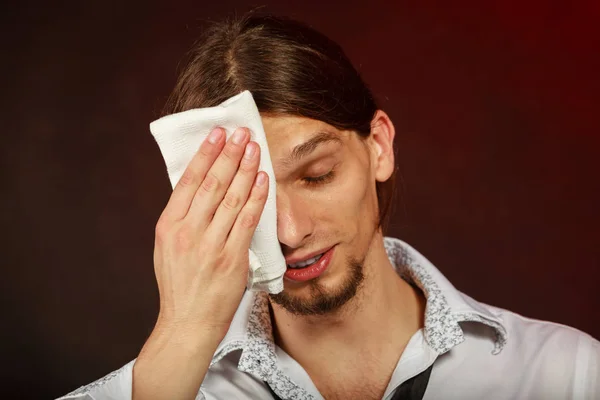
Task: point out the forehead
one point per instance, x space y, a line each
284 128
284 132
293 139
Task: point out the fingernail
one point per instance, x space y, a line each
215 136
239 135
261 179
249 151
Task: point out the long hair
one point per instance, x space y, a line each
289 68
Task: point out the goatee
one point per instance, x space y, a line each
323 300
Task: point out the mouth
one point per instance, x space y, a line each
309 269
307 262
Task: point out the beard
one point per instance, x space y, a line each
324 300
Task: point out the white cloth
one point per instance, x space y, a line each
179 137
480 352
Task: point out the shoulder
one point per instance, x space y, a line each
548 356
545 339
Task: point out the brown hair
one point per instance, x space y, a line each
289 68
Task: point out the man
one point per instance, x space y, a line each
369 317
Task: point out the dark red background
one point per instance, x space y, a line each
496 110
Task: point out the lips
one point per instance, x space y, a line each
304 264
297 259
312 271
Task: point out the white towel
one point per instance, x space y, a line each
179 136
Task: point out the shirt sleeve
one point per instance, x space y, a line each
115 386
118 385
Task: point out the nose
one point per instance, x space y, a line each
294 223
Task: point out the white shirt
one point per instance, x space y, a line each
480 351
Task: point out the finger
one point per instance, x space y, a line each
236 195
187 186
217 180
247 220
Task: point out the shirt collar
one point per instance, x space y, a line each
446 307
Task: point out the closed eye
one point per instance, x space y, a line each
319 180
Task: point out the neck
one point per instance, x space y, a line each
380 319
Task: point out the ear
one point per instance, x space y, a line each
381 143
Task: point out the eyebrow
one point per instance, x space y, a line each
304 149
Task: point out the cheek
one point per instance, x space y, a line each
347 198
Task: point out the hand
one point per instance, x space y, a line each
204 232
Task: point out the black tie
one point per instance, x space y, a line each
412 389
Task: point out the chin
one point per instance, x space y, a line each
326 294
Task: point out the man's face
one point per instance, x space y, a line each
340 210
